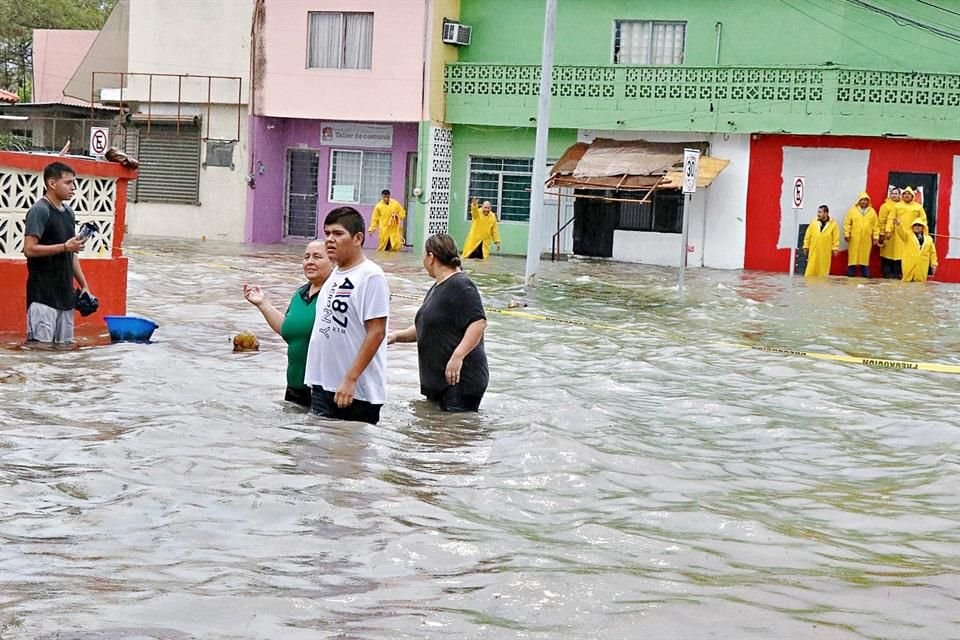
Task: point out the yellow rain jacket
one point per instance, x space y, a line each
885 213
860 230
906 214
821 245
483 231
917 259
389 219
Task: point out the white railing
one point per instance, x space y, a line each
95 201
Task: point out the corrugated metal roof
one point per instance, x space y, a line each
629 164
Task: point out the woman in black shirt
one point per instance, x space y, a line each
448 330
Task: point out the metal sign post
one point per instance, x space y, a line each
799 185
691 162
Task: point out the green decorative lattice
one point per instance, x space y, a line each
740 84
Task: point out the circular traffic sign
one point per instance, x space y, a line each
98 142
798 185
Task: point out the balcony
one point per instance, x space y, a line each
717 99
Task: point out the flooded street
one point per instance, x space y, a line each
654 481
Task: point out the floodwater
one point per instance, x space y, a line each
647 482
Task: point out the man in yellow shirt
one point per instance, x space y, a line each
905 213
820 243
919 256
860 232
886 212
388 217
483 231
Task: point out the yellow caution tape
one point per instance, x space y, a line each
877 363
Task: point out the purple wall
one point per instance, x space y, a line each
270 139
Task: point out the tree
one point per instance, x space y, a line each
21 17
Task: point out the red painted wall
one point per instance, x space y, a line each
107 277
765 186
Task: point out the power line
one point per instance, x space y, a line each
936 6
903 20
842 33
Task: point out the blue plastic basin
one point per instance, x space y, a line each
130 328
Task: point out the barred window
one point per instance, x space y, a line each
358 177
505 182
648 42
664 214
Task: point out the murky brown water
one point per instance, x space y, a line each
615 485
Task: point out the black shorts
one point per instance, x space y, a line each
358 411
454 400
300 396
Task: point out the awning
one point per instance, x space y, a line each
626 165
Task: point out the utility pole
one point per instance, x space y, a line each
540 152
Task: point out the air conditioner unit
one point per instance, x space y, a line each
456 33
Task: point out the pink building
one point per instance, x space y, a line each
339 91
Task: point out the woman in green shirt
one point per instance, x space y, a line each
295 325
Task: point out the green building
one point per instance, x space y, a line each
852 94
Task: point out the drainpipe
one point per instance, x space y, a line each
719 29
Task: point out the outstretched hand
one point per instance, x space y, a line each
254 294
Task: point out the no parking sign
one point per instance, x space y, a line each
99 141
799 185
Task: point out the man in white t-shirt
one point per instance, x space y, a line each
347 357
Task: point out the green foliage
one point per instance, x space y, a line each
21 17
13 142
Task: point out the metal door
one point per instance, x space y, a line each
300 217
925 182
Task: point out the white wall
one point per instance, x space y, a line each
549 226
223 191
200 38
717 229
195 37
834 177
725 232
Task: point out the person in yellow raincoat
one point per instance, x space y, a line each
483 231
860 230
905 213
918 254
820 243
886 242
388 217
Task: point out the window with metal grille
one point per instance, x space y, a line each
339 40
505 182
358 177
648 42
169 163
664 214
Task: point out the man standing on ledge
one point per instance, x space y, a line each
388 216
51 247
